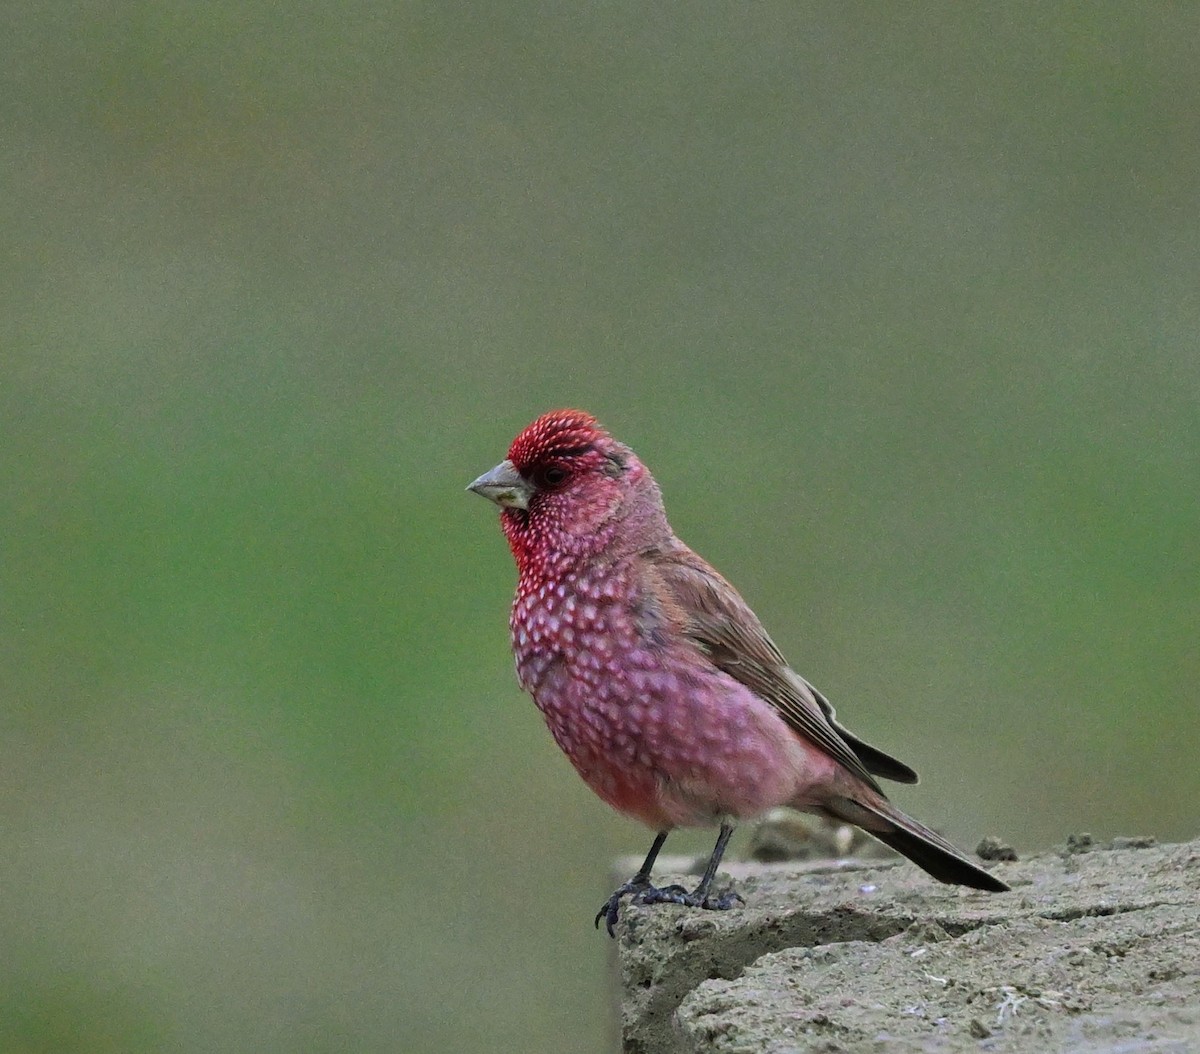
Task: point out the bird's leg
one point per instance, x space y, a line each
700 896
638 884
706 881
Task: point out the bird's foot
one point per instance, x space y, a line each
644 893
695 899
608 910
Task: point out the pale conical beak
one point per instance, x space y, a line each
505 486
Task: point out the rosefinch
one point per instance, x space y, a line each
655 677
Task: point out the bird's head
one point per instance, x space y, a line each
564 485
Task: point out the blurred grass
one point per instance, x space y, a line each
900 306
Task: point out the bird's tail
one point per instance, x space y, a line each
925 848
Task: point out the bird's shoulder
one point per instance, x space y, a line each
703 605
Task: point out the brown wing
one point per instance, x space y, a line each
714 615
878 762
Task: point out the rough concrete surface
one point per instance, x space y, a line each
1097 948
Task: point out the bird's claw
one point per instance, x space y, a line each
644 893
724 901
696 899
608 910
660 895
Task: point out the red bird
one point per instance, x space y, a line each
655 677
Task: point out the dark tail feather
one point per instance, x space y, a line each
875 761
928 850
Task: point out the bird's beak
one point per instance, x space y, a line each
505 486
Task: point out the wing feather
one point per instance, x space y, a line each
719 621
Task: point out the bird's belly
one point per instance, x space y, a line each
671 748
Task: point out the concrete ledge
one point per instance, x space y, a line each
1095 949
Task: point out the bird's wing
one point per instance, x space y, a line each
877 762
713 614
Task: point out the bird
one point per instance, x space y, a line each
659 682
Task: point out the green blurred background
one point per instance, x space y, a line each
900 303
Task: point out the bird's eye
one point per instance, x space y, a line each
551 476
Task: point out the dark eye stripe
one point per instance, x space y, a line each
572 451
